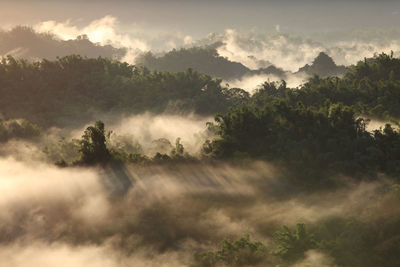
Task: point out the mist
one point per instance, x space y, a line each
282 47
69 216
142 133
291 51
103 31
252 82
146 133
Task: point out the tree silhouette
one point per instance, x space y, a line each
93 147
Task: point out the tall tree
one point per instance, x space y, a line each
93 145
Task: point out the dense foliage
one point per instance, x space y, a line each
203 59
372 87
241 252
74 88
18 129
313 142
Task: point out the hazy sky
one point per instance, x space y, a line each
202 17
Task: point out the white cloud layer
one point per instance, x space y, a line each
291 52
103 31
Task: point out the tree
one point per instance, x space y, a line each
241 252
293 244
178 150
93 147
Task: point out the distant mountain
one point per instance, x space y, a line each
24 42
323 66
270 70
205 60
202 59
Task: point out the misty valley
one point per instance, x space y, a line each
235 149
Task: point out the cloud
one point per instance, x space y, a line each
253 49
109 31
290 52
146 128
315 258
67 217
281 50
104 31
141 133
72 217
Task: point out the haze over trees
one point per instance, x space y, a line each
75 87
235 200
205 60
78 87
24 42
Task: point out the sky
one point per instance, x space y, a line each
199 18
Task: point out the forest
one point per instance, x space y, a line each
164 162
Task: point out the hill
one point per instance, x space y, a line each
323 66
203 59
24 42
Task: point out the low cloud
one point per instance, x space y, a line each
104 31
253 49
109 31
290 52
251 82
314 258
72 216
